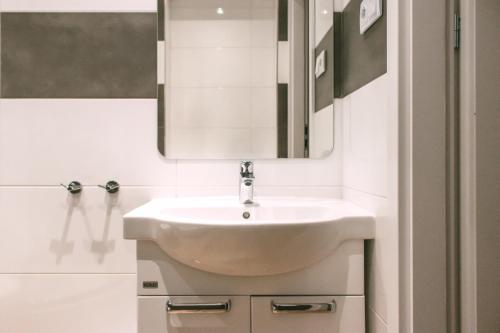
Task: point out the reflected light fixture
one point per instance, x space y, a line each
220 11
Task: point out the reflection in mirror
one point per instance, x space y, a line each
247 79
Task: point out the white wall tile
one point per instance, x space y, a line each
48 141
365 138
47 230
210 4
207 191
264 142
322 136
209 143
381 252
369 146
68 303
263 107
264 72
264 191
264 4
211 107
219 32
202 173
300 191
78 5
301 172
264 25
291 172
210 67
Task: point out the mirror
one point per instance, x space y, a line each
247 79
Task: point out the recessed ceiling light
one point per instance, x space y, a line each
324 12
220 11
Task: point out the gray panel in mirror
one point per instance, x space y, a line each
238 86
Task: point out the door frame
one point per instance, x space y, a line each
427 165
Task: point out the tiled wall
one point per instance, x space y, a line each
78 55
363 58
369 146
365 148
322 119
221 79
64 266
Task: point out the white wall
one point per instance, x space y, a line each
63 264
221 79
370 176
366 161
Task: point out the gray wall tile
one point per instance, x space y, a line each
324 84
78 55
282 120
161 119
161 20
283 20
363 57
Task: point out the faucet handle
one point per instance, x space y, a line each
246 168
111 187
74 187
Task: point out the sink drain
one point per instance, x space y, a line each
246 215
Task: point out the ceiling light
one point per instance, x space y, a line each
220 11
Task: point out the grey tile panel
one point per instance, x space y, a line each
337 55
161 20
283 20
78 55
161 119
324 84
363 57
282 120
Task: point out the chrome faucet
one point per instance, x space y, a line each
246 182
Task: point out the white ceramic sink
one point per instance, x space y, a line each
280 235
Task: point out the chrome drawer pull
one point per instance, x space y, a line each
303 307
198 307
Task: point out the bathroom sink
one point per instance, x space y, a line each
273 236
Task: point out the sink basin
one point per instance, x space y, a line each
274 236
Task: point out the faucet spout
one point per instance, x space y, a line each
246 182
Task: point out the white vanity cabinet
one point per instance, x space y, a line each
194 314
251 314
298 308
318 314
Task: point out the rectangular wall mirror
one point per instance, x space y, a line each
247 79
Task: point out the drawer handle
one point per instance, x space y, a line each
198 307
303 307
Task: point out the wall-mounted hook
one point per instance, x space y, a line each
74 187
111 187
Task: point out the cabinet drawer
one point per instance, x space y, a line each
318 314
194 314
